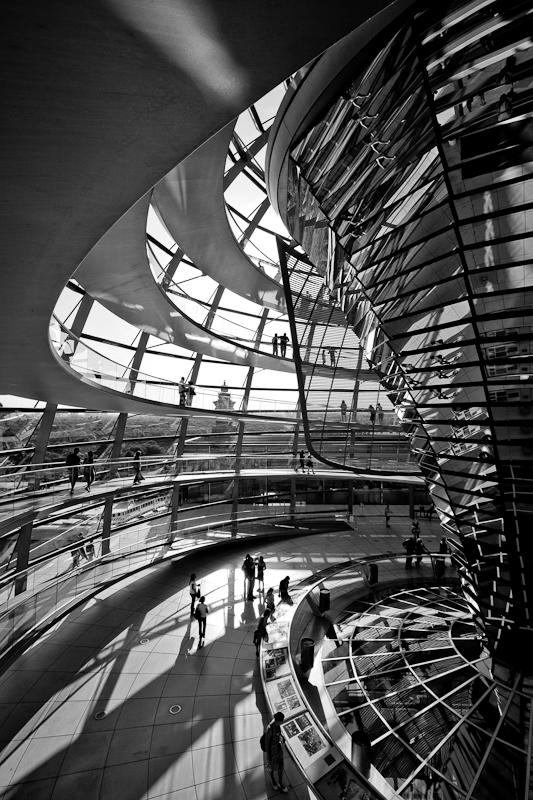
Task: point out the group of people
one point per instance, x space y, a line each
305 463
73 463
373 412
280 342
186 392
272 740
332 352
415 549
261 633
253 569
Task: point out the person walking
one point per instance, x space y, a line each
283 342
372 413
274 751
409 547
270 603
324 357
77 553
344 408
379 413
194 591
88 470
301 456
72 463
309 465
248 568
275 344
260 574
190 393
138 476
261 633
387 516
182 390
201 615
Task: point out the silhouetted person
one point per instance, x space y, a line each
194 591
248 568
270 602
419 551
301 455
88 470
73 462
387 516
261 634
332 356
182 389
324 357
309 465
274 751
409 547
260 574
444 549
190 393
283 342
344 408
137 472
275 344
284 591
201 615
379 411
372 413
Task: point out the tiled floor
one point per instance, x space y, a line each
86 713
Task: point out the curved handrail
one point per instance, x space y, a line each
140 548
326 755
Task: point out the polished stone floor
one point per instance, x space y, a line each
118 703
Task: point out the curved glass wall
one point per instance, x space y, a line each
412 194
347 417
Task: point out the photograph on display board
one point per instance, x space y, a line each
289 700
287 705
276 663
311 741
342 784
286 688
296 725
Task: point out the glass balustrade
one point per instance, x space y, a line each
106 372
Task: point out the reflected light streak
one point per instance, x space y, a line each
187 35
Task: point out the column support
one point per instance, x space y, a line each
41 441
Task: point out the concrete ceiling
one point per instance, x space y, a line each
100 101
